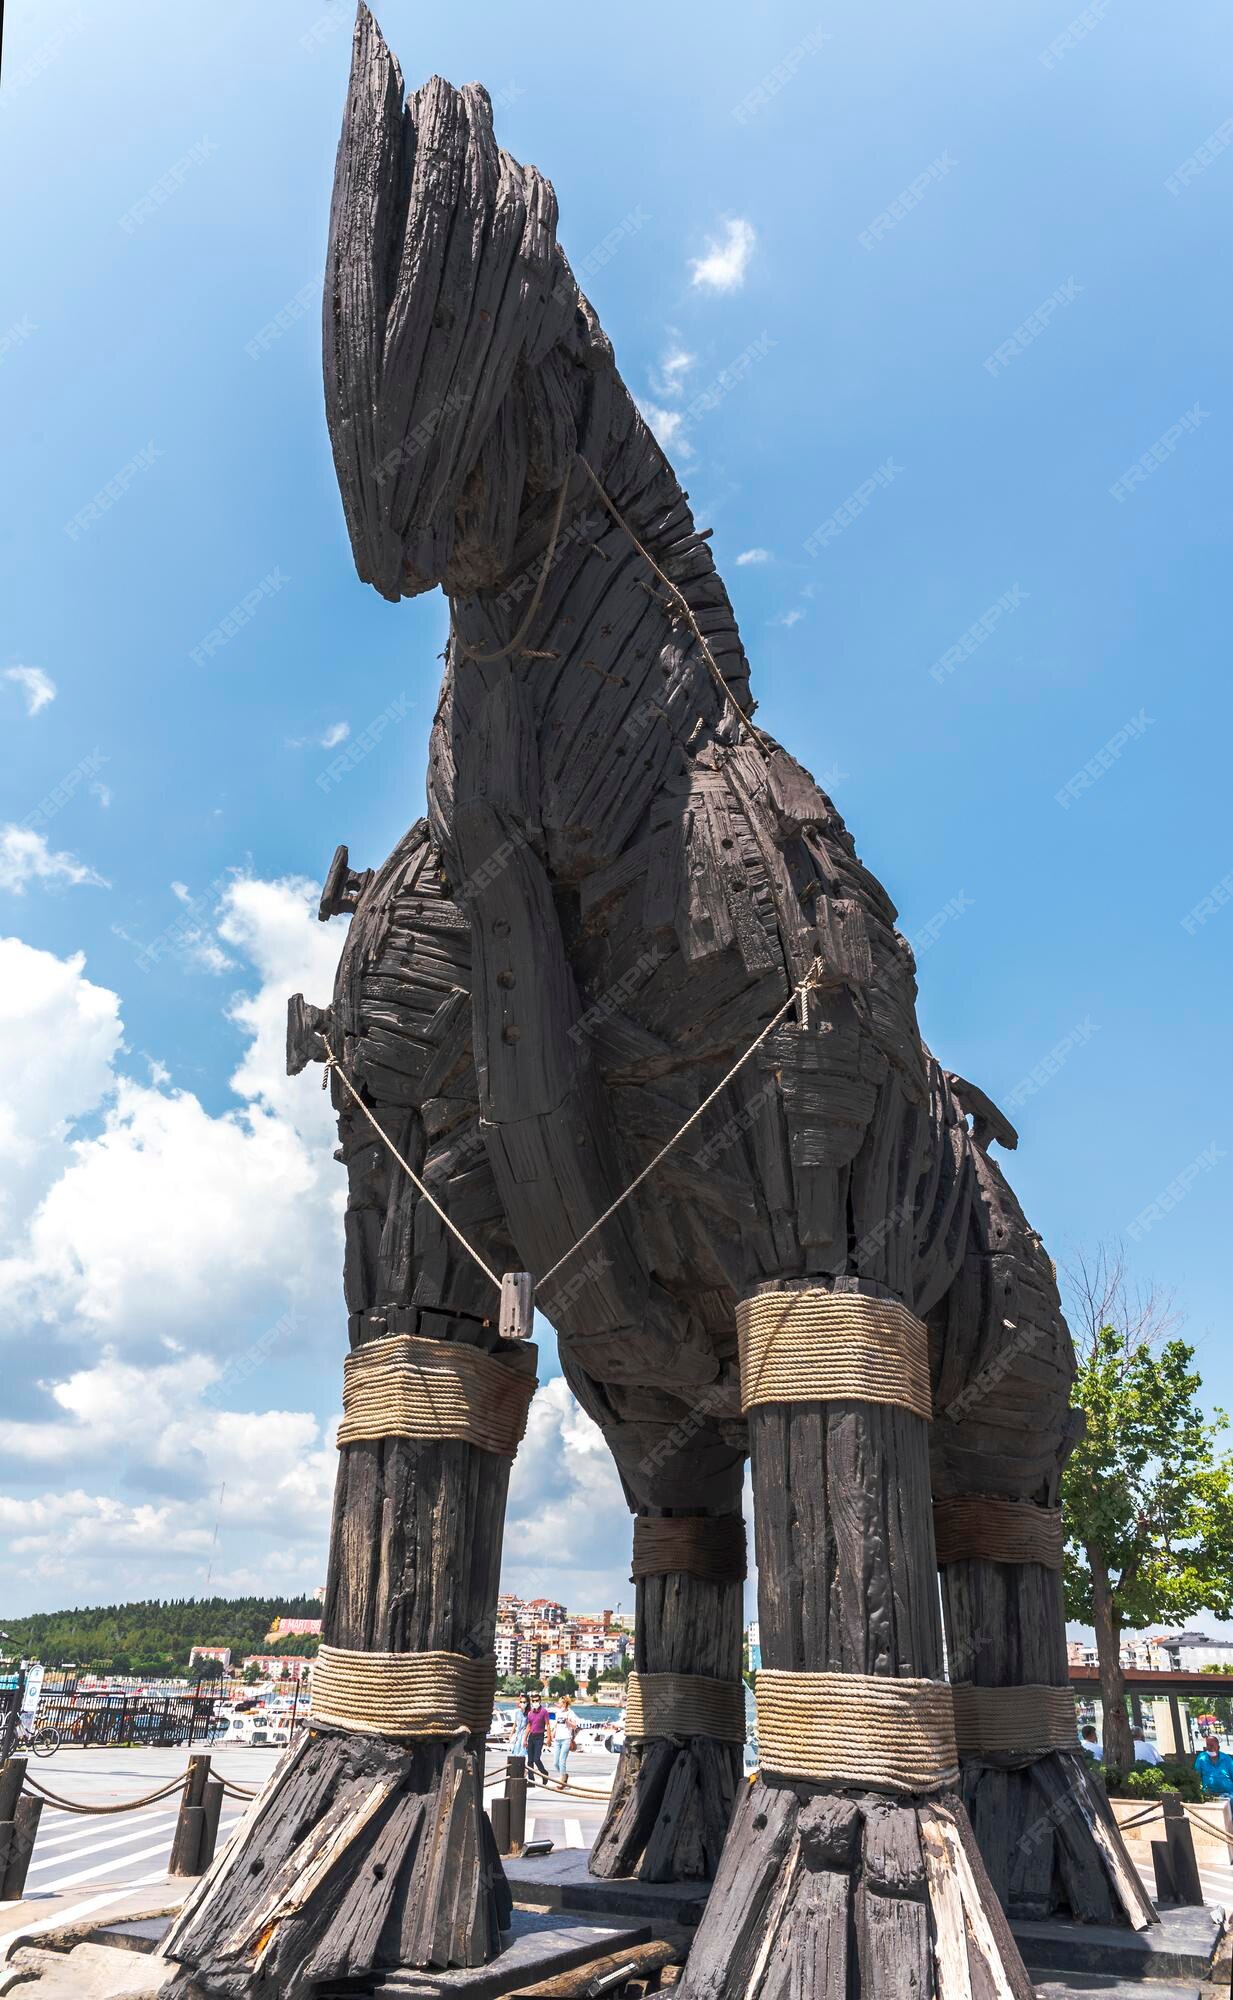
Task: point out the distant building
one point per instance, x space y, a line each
278 1666
514 1654
1212 1653
753 1639
220 1653
545 1611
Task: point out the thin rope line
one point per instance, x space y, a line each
802 986
334 1063
502 652
810 979
683 601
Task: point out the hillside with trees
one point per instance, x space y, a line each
151 1638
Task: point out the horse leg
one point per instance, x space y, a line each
1001 1433
369 1848
676 1784
856 1883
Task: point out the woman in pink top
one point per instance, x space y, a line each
539 1731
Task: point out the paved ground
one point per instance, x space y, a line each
82 1866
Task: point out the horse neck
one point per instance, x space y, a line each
611 664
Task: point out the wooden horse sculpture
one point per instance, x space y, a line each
620 885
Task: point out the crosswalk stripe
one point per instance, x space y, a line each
72 1915
92 1874
573 1833
75 1830
101 1846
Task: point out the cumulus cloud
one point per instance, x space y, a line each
38 688
25 857
789 618
329 739
727 258
159 1259
567 1526
62 1034
752 556
669 428
168 1220
667 379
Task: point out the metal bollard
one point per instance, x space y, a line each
188 1841
516 1793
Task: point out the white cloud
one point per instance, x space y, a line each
170 1220
330 738
567 1528
727 259
788 618
38 687
62 1034
101 792
668 378
155 1254
752 556
669 428
25 857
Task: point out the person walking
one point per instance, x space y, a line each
538 1732
517 1746
565 1729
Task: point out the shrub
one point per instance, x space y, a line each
1152 1781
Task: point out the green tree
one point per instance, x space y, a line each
593 1683
563 1684
1147 1493
1219 1705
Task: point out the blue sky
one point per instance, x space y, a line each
972 305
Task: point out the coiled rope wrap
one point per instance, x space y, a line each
1014 1721
406 1386
814 1345
861 1729
403 1694
978 1525
685 1705
709 1547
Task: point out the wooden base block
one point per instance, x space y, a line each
669 1812
1051 1844
361 1856
841 1896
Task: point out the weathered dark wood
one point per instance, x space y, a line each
17 1838
683 1624
1182 1863
188 1840
617 885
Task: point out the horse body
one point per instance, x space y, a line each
619 882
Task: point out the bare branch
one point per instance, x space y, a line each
1098 1293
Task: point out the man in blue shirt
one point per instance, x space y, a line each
1215 1769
